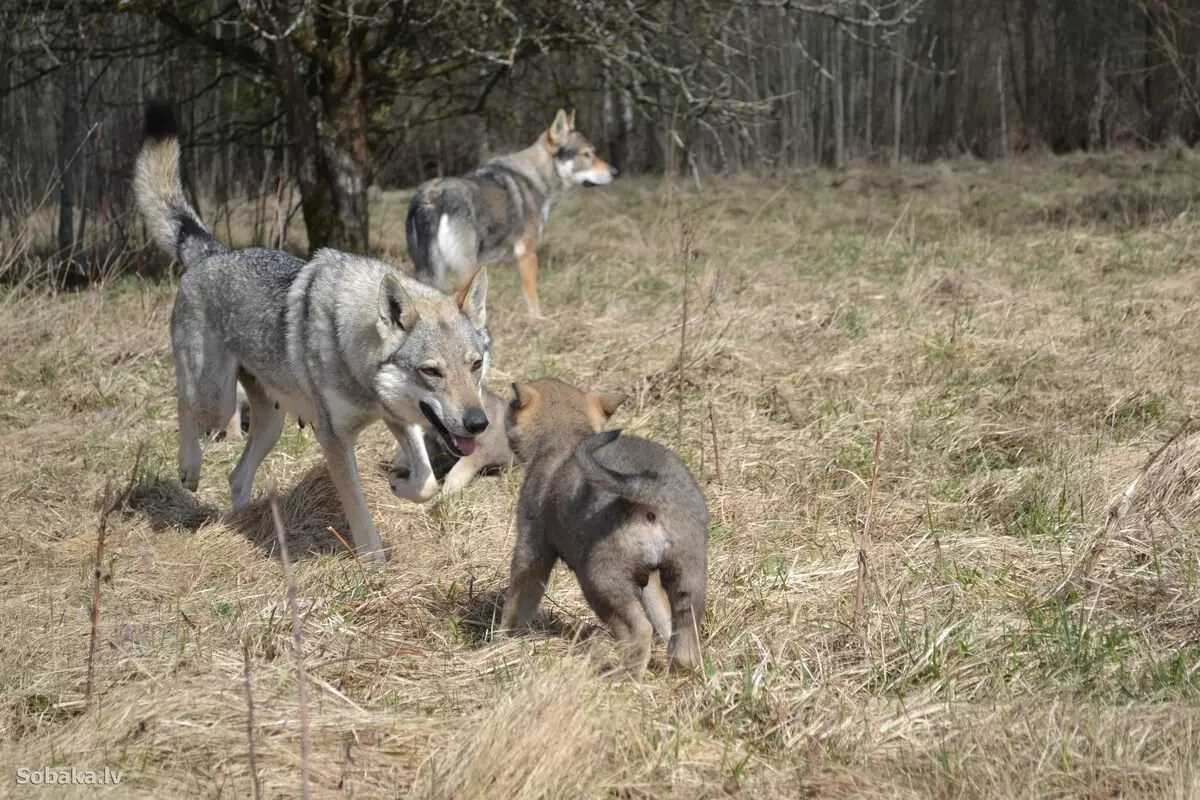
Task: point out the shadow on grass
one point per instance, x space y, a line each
166 504
477 615
308 510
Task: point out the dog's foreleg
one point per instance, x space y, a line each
528 574
461 474
343 469
420 485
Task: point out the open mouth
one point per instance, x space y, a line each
458 445
589 184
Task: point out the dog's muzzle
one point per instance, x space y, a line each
458 445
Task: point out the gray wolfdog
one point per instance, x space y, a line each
339 341
625 515
456 224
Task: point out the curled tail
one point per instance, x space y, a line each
643 488
174 224
419 232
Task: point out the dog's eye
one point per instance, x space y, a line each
477 365
431 372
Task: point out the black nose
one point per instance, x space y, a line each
475 421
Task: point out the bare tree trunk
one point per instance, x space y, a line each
897 98
612 127
1032 109
631 150
852 77
870 110
85 167
839 103
1096 115
1002 103
332 182
68 136
820 44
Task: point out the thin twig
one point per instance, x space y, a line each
250 720
101 532
350 550
864 542
281 538
686 243
712 423
899 219
1119 507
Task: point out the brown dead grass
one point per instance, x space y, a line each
1021 362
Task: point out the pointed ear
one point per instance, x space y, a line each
571 118
471 298
606 402
560 129
524 395
396 308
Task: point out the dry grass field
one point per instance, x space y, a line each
1024 337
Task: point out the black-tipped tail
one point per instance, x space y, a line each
161 122
169 216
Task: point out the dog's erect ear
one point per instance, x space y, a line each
524 396
396 308
607 402
560 129
571 118
471 298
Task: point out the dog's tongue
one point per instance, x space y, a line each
465 444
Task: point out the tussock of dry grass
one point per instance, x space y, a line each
1022 332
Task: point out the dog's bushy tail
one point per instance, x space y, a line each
174 224
644 488
419 231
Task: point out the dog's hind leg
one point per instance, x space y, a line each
456 251
527 264
205 382
686 589
266 425
633 632
190 455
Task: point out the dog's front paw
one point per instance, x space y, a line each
455 482
375 558
190 478
404 487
